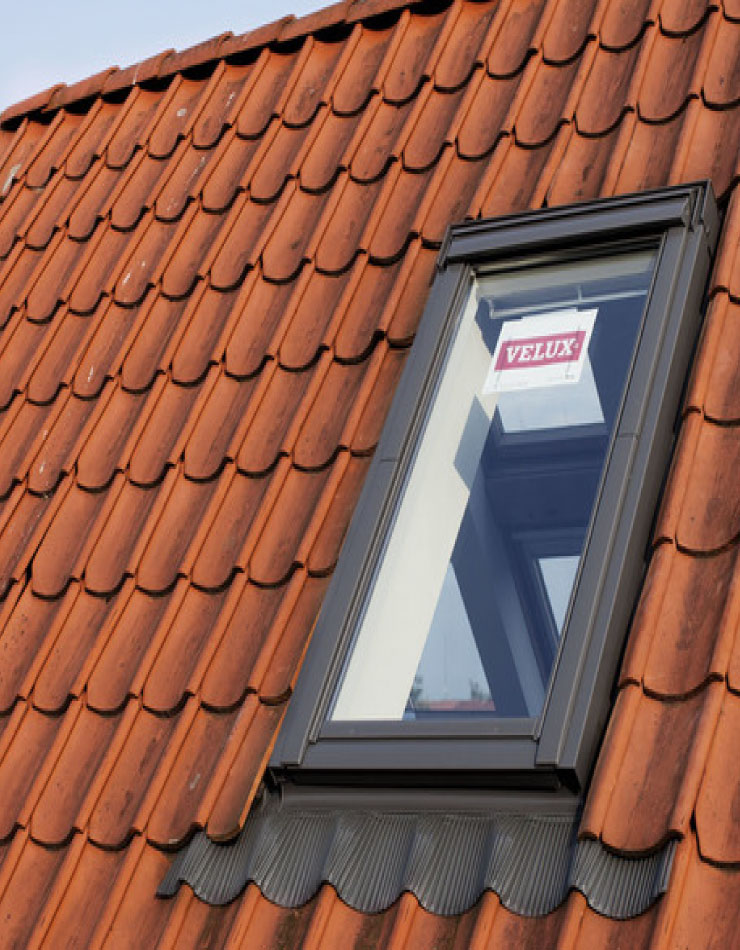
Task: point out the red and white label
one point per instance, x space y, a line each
549 349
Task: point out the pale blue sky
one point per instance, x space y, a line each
47 41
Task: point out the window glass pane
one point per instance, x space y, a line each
469 601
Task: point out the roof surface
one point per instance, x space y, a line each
212 266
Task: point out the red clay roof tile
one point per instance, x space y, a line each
568 30
682 619
348 227
31 878
57 810
717 832
606 91
168 680
276 76
417 53
380 135
118 671
273 675
178 806
706 916
652 766
249 623
683 16
674 71
330 149
62 675
156 326
231 535
87 888
175 529
24 752
467 43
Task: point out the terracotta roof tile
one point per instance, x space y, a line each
683 17
379 142
58 442
707 915
118 672
231 536
278 72
244 651
568 30
73 650
57 811
606 91
679 627
651 766
313 85
623 22
86 888
180 453
417 53
174 530
26 891
168 680
178 807
513 39
671 74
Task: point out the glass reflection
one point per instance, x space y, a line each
468 605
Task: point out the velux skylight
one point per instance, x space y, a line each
465 612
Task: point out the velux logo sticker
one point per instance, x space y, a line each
547 350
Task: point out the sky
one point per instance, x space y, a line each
43 42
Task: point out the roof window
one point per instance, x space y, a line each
476 617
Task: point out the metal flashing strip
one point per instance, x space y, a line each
446 861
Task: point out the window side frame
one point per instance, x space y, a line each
559 746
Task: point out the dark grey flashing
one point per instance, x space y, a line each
447 861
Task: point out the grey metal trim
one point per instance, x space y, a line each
559 747
447 861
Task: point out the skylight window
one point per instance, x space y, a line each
475 620
461 557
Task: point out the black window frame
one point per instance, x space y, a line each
557 748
